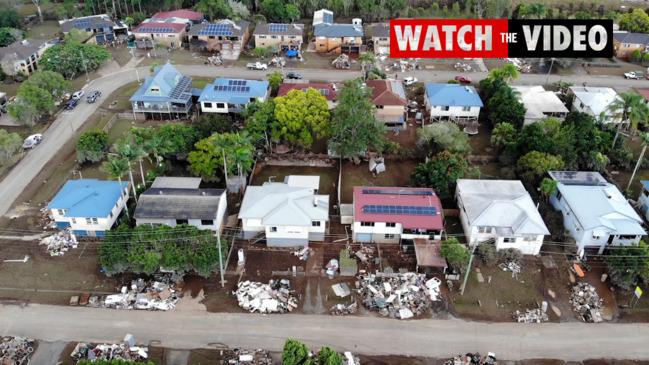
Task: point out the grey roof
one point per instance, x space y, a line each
337 30
176 182
578 177
83 23
283 205
173 203
379 30
504 204
291 29
631 38
20 50
233 29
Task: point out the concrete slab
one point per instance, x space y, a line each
47 353
177 357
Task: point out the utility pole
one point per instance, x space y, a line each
225 169
547 78
468 269
218 241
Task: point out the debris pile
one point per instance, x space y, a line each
84 351
586 302
342 62
332 268
343 310
252 357
303 254
215 60
161 294
512 267
365 253
472 359
461 66
531 316
400 296
47 222
16 350
59 243
274 297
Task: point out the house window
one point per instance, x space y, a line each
181 221
207 105
529 238
558 195
379 107
61 211
509 240
262 37
212 37
273 229
645 193
95 221
446 108
273 37
389 235
88 221
466 108
484 229
315 223
390 224
207 222
626 237
220 105
367 224
74 221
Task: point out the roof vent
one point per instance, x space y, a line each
315 201
468 89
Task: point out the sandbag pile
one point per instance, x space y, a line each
586 302
274 297
400 296
16 350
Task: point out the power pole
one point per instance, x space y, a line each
218 241
468 269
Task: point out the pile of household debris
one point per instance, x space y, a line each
123 351
160 294
537 315
241 356
586 302
512 267
400 296
274 297
59 243
215 60
16 350
47 222
472 359
461 66
344 309
342 62
365 253
303 253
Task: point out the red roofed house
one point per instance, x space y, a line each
327 90
390 214
390 100
194 17
167 28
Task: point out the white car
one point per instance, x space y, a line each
32 141
77 94
409 80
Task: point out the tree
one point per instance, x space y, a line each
275 79
636 55
260 116
534 164
367 59
9 35
645 141
630 108
210 123
295 353
446 136
327 356
301 117
38 96
10 144
628 265
129 21
504 106
131 153
212 154
179 139
116 167
292 12
548 187
441 173
214 9
92 146
645 59
354 128
503 134
506 73
9 18
455 253
260 52
635 21
278 11
73 58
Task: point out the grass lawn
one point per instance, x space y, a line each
119 100
328 175
46 30
201 82
397 174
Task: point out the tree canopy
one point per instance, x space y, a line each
10 144
301 116
38 96
214 9
534 164
73 58
9 18
446 136
635 21
441 173
279 11
628 265
454 252
92 146
208 158
9 35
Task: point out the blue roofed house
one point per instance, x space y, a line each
232 95
595 213
165 95
88 207
454 102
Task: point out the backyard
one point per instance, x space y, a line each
397 173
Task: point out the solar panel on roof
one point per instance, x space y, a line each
397 192
399 210
275 28
216 30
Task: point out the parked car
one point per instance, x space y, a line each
634 75
462 79
293 75
72 103
409 80
77 94
257 66
32 141
93 96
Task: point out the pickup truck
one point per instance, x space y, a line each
257 66
634 75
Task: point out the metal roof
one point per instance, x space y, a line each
337 30
167 84
279 28
87 22
236 91
178 203
379 30
414 208
88 198
221 28
538 101
631 38
452 95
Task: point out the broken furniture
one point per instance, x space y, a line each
402 295
16 350
274 297
586 302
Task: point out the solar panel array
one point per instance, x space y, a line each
399 210
156 30
83 23
397 192
181 88
237 82
232 88
276 28
216 29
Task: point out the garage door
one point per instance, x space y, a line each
363 237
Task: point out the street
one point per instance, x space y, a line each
63 129
365 335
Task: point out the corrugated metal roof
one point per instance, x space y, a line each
167 84
236 91
631 38
88 198
337 30
280 29
452 95
225 27
178 203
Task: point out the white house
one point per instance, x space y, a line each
232 95
595 101
452 102
172 201
500 212
287 215
540 103
88 207
390 214
595 213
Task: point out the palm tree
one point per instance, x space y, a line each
116 167
154 146
507 73
131 153
645 141
629 108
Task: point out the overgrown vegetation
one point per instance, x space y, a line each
296 353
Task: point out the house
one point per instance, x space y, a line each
392 214
595 213
500 212
644 93
224 36
21 57
540 103
100 28
232 95
452 102
389 98
168 34
336 37
280 36
327 90
595 101
643 199
165 95
88 207
285 214
172 201
379 35
185 16
625 43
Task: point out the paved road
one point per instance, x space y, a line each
62 130
365 335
